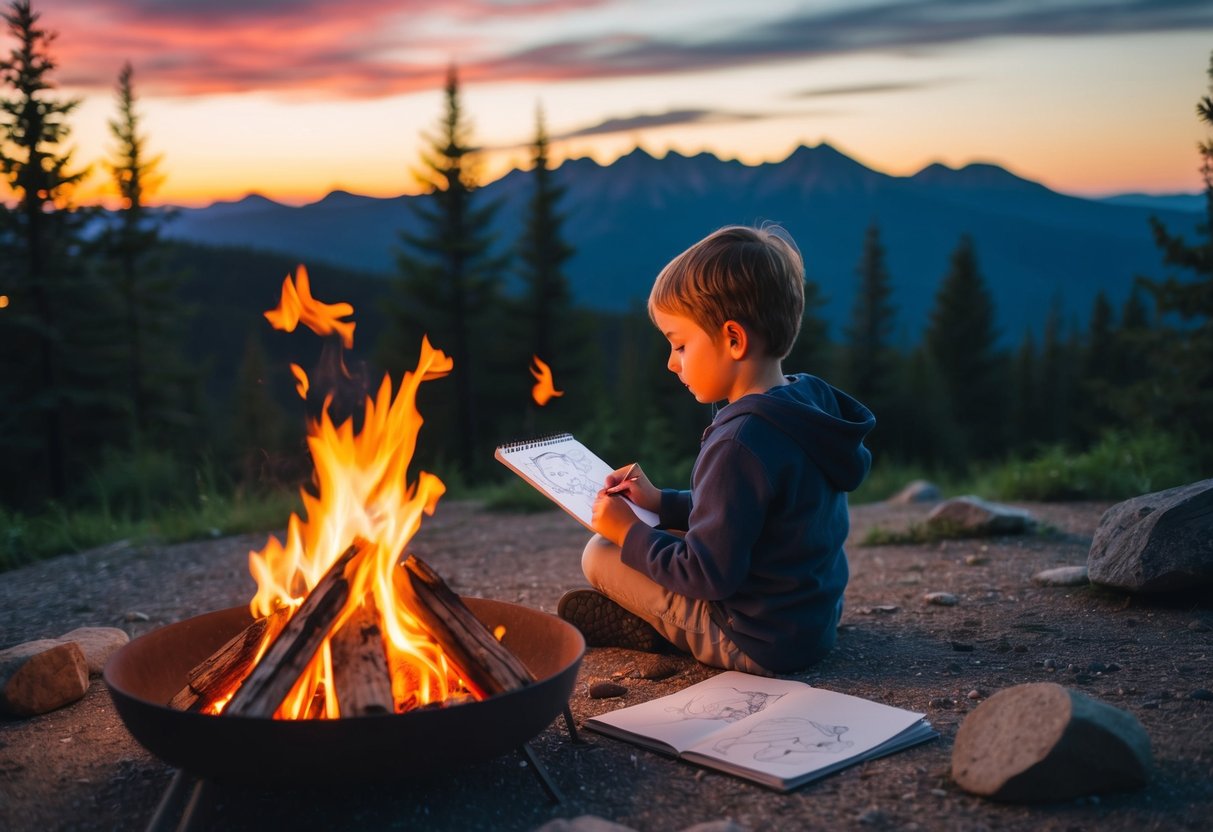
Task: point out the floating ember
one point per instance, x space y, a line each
544 389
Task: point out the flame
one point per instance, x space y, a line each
360 490
298 305
544 389
301 382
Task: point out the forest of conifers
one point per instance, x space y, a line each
136 368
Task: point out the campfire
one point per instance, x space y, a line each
344 623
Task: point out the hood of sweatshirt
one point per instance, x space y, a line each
829 424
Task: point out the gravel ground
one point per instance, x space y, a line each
78 769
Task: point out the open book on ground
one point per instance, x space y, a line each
566 471
776 732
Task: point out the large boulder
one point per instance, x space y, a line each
1157 542
1042 742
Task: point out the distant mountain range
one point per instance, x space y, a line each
627 219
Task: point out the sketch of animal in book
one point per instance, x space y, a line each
777 740
725 704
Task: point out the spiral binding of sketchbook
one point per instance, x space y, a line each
537 442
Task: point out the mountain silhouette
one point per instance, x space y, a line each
1035 247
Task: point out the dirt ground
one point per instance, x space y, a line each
78 769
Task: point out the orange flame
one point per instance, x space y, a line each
544 389
301 383
360 490
298 305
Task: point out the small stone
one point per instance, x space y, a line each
40 676
655 667
1198 626
917 491
976 694
976 560
1049 664
97 643
940 599
939 792
134 616
942 703
1062 576
1202 695
607 690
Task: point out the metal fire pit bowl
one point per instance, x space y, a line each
146 673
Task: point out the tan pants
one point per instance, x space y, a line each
684 622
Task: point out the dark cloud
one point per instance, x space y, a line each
671 118
891 25
866 89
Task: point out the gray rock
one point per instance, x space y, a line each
40 676
1062 576
1042 742
723 825
941 599
97 643
1157 542
977 517
917 491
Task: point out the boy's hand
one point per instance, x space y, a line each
613 517
630 481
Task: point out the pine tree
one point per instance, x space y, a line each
147 320
38 238
811 352
1184 371
449 285
1025 410
868 354
961 341
1093 415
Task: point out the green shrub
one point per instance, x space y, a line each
1119 466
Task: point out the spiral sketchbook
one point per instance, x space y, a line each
567 472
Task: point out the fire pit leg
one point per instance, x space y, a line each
545 779
568 723
180 801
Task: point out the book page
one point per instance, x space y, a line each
567 472
813 730
709 708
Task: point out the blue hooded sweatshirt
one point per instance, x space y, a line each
765 520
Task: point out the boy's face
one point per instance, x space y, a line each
704 366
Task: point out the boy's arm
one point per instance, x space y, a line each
725 519
675 510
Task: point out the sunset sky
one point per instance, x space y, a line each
295 98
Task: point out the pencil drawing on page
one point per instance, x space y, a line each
785 740
724 704
564 473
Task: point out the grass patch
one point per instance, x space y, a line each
1117 467
915 534
25 538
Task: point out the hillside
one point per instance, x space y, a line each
1034 246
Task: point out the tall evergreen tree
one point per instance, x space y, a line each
961 340
868 353
449 284
1184 372
1057 378
1098 361
39 239
1025 409
147 322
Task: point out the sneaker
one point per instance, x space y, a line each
606 624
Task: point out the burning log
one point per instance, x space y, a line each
487 666
227 666
286 658
361 680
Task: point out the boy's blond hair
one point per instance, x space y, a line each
754 276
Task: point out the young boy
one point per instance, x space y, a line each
747 569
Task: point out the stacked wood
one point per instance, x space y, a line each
487 666
290 653
362 679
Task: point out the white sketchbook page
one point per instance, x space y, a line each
816 729
714 705
567 472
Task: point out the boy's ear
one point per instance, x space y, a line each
736 339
